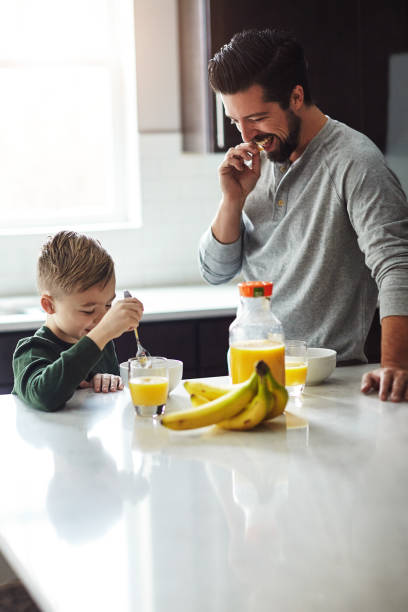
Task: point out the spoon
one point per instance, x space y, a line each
141 355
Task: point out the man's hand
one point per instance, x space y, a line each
123 316
391 379
103 382
391 383
237 180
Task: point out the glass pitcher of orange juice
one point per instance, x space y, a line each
256 334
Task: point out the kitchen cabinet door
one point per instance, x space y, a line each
213 343
8 341
201 344
171 339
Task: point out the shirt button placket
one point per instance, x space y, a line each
280 194
280 207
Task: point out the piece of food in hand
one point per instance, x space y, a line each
260 141
216 410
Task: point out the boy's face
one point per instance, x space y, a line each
75 314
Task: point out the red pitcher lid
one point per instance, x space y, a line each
255 289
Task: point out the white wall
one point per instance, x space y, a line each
179 191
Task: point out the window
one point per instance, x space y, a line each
68 113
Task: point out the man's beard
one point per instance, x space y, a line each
286 147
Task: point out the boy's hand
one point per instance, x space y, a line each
104 383
123 316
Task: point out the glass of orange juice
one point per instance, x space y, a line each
295 366
148 386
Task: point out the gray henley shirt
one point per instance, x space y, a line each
331 231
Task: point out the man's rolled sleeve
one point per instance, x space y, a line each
219 262
393 294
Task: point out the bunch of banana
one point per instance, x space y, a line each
243 407
215 410
258 408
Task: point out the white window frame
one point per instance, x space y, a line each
126 209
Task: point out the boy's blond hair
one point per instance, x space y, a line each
71 262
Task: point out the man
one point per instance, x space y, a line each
318 211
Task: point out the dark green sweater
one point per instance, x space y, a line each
47 370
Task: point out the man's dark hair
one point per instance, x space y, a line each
272 59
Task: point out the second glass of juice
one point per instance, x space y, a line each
256 334
148 386
295 366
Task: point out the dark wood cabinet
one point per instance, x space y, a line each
201 344
8 341
171 339
348 46
212 344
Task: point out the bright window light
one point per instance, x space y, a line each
68 133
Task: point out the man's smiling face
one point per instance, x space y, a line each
256 118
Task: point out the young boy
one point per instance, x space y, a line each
76 280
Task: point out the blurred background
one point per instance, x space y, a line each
107 124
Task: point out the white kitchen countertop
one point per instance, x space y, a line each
103 510
160 304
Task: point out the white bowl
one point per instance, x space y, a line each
320 365
175 372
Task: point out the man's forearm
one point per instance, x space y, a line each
226 227
394 342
